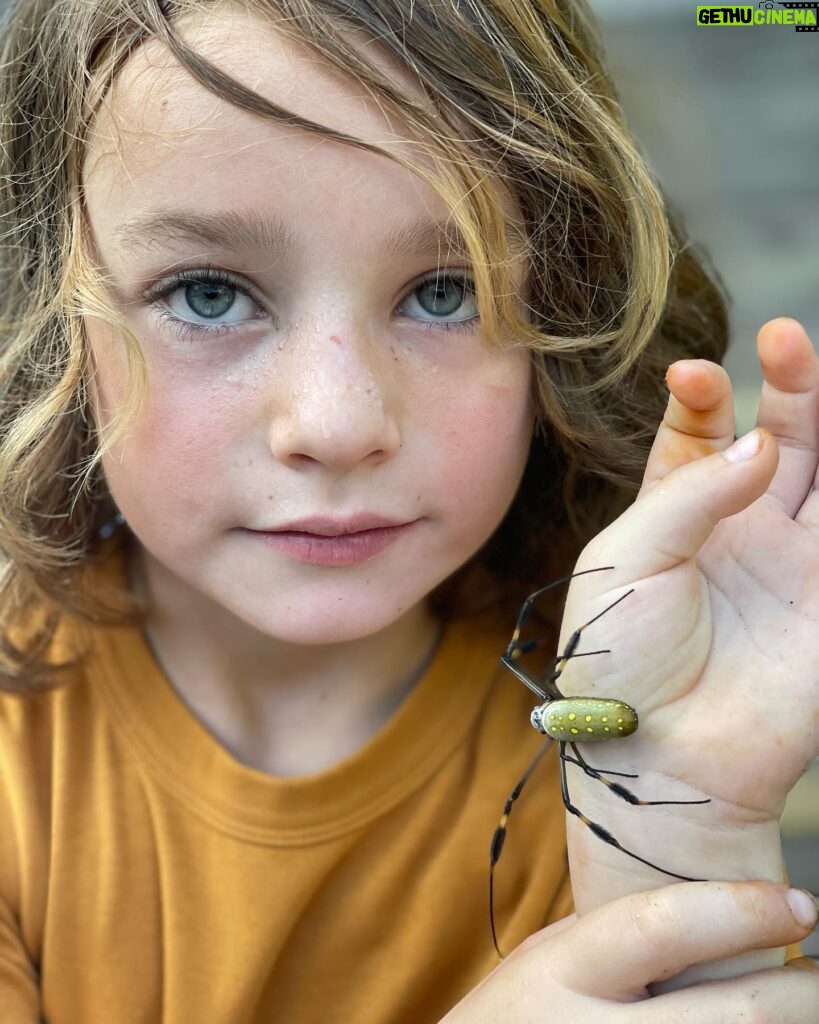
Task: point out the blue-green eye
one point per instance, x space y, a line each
443 295
446 294
210 300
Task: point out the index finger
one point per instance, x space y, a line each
698 420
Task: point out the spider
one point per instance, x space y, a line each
569 721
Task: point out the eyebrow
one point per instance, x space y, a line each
232 230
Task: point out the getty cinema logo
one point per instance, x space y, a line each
803 16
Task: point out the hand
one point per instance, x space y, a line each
718 646
597 970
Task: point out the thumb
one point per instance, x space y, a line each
669 523
652 936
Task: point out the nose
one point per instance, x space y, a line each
336 403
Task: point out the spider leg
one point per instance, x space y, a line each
574 639
598 771
500 835
603 833
549 676
513 648
618 790
545 687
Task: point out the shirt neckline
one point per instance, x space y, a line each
196 769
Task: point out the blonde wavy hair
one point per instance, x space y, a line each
514 92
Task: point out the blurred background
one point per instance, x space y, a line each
729 122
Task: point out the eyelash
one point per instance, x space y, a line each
190 330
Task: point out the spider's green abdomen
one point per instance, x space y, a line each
584 719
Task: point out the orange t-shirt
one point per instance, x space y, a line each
148 875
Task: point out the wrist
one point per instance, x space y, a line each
698 841
702 841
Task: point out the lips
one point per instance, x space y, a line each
325 526
334 549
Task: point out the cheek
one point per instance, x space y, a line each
174 452
483 446
177 447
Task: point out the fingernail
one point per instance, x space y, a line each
804 907
745 448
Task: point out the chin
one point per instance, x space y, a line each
335 619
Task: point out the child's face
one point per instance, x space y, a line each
287 384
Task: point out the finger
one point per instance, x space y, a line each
789 408
671 521
649 936
780 995
698 420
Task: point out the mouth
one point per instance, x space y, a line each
334 549
325 526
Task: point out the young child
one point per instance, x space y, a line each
330 332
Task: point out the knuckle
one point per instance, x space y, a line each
654 920
753 901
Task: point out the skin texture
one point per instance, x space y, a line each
337 392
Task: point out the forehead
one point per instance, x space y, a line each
163 145
156 94
161 132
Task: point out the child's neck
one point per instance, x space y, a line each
286 709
